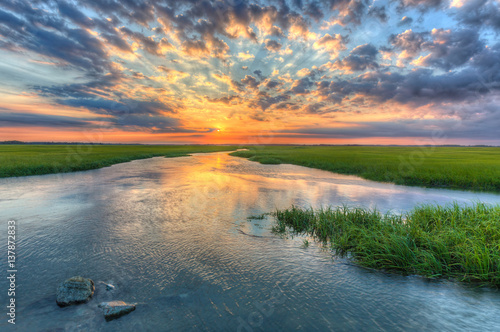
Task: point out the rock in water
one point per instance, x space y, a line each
116 309
74 291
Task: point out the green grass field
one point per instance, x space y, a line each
473 168
456 242
23 160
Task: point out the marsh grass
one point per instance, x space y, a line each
23 160
259 216
453 241
473 168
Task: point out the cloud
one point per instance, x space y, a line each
50 37
119 107
144 63
331 44
422 86
409 42
314 10
445 49
479 13
379 13
362 57
228 100
148 43
245 56
272 45
402 128
265 100
405 21
314 108
250 82
196 48
272 84
234 85
173 75
301 86
450 49
18 119
348 11
421 4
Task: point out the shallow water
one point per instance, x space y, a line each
172 235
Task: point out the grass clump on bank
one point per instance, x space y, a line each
459 242
23 160
474 168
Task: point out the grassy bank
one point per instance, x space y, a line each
433 241
473 168
23 160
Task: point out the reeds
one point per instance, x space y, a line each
453 241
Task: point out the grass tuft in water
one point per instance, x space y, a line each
453 241
259 216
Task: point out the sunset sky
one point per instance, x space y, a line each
268 72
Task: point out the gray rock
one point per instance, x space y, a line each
75 290
116 309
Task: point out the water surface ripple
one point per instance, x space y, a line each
173 236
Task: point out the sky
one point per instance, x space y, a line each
251 72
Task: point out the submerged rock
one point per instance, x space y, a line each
116 309
75 290
109 287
